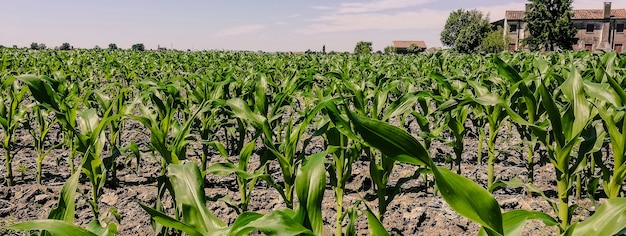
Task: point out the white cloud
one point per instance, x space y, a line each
426 19
240 30
372 6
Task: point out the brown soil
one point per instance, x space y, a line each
416 210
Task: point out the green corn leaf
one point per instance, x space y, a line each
240 226
374 225
55 227
515 220
391 140
553 112
65 208
310 186
227 168
573 90
170 222
95 227
280 223
469 199
41 91
187 184
490 99
609 219
241 110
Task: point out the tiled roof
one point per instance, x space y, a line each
514 15
406 44
597 14
582 14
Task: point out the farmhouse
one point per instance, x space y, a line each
598 29
403 46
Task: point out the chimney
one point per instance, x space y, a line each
528 7
607 10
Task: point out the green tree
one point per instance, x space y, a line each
363 47
550 26
35 46
495 41
413 48
138 47
112 46
65 46
464 30
390 49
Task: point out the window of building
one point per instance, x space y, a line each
512 28
619 28
590 28
589 47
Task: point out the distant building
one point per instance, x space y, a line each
403 46
598 29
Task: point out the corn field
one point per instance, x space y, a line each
349 131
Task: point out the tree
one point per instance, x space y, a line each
465 30
112 46
34 46
495 41
413 48
65 46
138 47
41 46
363 47
549 23
390 49
324 49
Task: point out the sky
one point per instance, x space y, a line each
269 25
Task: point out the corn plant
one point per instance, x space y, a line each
494 112
61 97
567 119
44 124
455 114
61 218
210 119
12 114
609 100
187 188
119 107
523 106
246 179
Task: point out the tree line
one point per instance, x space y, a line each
68 46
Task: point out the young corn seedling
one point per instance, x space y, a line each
44 124
61 218
246 179
455 114
567 116
12 114
523 106
61 97
91 142
495 114
609 102
187 187
120 107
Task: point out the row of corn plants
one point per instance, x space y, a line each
266 109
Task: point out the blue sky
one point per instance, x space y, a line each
270 25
